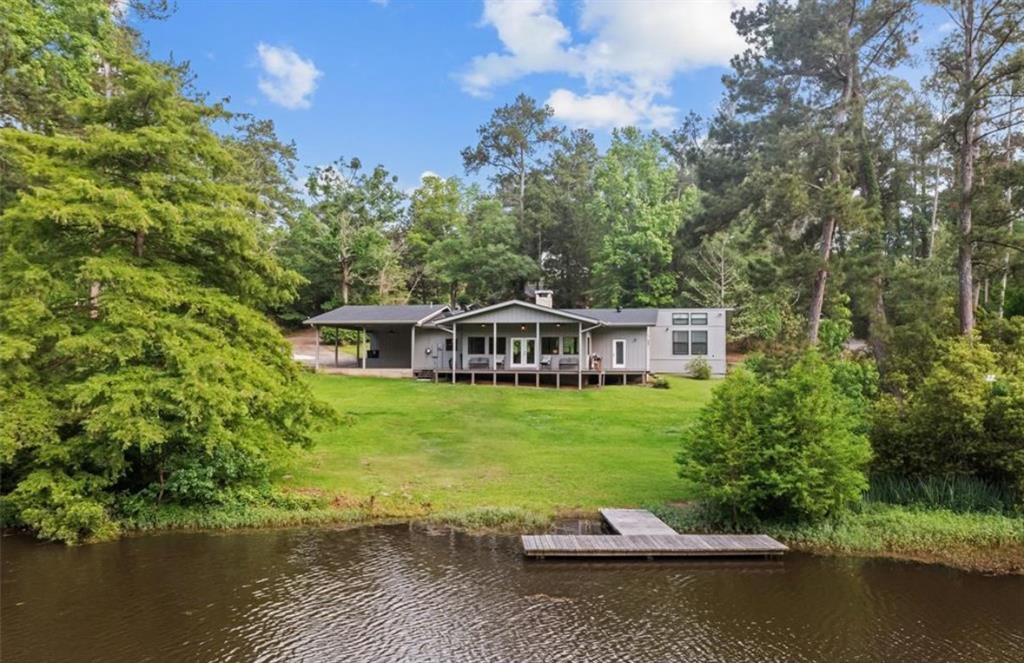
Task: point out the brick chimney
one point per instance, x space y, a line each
544 298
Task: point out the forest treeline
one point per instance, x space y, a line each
154 241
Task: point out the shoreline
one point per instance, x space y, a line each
995 545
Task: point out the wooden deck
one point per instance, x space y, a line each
629 522
642 534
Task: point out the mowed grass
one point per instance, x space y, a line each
417 448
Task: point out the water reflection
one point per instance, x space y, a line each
403 593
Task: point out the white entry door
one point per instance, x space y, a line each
524 352
619 353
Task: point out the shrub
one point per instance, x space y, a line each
965 418
700 369
781 443
661 383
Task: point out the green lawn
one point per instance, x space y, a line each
420 448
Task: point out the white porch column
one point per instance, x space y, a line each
579 356
362 343
316 357
455 348
536 348
494 347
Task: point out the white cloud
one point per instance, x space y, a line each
288 79
428 173
629 53
607 111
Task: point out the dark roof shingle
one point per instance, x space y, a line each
626 316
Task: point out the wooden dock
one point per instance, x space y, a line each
629 522
641 534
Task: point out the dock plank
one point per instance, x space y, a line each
635 522
650 545
639 533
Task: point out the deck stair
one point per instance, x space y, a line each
639 533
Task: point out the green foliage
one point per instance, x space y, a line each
135 360
661 383
966 417
641 212
478 259
781 442
700 369
961 494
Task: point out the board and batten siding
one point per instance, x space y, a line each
662 359
434 339
602 340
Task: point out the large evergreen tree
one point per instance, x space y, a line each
134 361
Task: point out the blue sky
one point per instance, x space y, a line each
406 84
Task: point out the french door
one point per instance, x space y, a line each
524 353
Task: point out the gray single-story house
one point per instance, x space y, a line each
533 342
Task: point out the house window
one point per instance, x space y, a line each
569 345
680 318
698 319
549 345
447 345
681 342
477 345
501 345
699 343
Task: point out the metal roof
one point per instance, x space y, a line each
626 316
382 314
578 314
414 313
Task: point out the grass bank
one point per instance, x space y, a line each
988 542
512 459
459 452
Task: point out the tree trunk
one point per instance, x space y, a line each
1005 276
345 277
934 227
139 243
828 229
965 254
818 294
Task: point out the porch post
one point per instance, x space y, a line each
362 336
412 349
455 348
579 357
494 347
536 352
316 357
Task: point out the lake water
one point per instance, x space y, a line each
402 593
